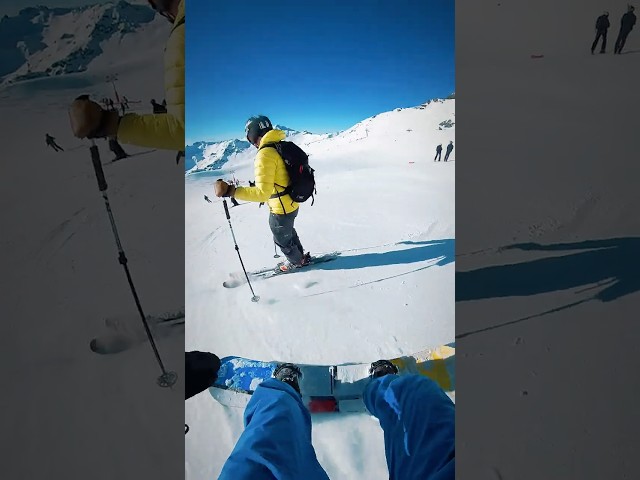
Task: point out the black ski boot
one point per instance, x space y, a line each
382 368
289 374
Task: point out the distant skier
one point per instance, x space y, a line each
117 149
602 25
627 22
157 108
438 153
271 179
449 150
51 142
416 416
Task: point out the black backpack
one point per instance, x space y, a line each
302 183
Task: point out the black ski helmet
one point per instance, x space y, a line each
256 127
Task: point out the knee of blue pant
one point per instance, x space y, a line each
391 389
374 390
275 397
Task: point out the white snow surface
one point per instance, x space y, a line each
377 187
62 280
552 395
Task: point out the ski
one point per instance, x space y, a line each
329 388
238 278
127 333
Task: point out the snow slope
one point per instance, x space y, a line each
547 371
383 202
62 279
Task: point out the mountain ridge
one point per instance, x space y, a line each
209 156
46 41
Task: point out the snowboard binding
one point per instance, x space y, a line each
381 368
289 374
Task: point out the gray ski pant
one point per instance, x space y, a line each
285 236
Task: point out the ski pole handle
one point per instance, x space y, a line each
226 209
97 166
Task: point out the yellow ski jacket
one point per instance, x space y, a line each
165 130
269 171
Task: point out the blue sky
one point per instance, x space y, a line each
319 67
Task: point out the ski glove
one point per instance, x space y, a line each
224 189
200 371
90 120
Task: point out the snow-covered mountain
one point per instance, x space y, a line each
433 115
41 41
207 156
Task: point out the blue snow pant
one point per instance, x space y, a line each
276 442
418 420
417 417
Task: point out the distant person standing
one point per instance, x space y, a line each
438 153
117 149
602 25
51 142
157 108
449 150
627 22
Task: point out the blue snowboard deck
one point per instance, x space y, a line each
329 388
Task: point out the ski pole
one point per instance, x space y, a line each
255 298
275 252
167 379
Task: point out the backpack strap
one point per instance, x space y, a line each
282 193
180 22
286 189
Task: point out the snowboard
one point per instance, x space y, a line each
238 278
329 388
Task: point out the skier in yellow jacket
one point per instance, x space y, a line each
163 131
271 179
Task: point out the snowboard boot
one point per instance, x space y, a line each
289 374
382 368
